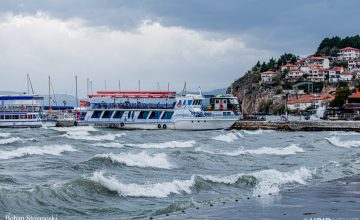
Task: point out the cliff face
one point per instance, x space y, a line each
258 97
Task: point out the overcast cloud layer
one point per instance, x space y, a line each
206 43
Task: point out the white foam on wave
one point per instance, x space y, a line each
289 150
230 137
256 132
339 143
141 159
10 140
268 181
82 133
158 190
170 144
344 133
109 145
35 150
5 135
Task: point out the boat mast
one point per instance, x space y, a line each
76 92
27 81
49 96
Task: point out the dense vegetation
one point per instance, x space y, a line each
341 95
331 46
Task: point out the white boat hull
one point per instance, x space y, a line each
20 124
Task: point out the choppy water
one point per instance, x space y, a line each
83 172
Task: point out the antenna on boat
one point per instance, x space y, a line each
105 84
139 85
184 89
168 87
50 109
91 88
119 85
158 86
200 93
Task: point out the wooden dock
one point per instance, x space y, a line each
299 125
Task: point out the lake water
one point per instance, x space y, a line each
89 173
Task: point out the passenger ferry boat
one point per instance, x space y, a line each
20 111
158 110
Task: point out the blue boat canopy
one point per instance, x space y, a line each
16 97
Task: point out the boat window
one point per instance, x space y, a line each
155 115
179 103
129 114
7 116
107 114
96 114
15 117
184 103
22 116
195 102
118 114
167 115
224 101
189 102
200 102
1 117
217 101
143 115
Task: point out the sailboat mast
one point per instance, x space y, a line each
49 94
76 91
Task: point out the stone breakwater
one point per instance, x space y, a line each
299 125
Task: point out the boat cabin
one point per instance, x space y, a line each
224 103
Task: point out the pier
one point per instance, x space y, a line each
299 125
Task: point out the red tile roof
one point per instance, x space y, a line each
288 65
268 72
349 48
309 98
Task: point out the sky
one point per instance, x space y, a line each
207 43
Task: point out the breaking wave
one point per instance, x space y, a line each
256 132
82 133
289 150
141 159
9 140
344 133
170 144
339 143
230 137
109 145
34 150
5 135
267 181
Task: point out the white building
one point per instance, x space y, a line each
288 67
267 76
346 76
335 74
294 74
318 61
348 53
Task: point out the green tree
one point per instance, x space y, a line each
341 95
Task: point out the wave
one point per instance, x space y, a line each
289 150
10 140
141 159
74 129
170 144
34 150
256 132
82 133
5 135
230 137
267 181
344 133
339 143
159 190
109 145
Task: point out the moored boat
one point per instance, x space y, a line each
154 110
20 111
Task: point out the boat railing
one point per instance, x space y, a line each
207 115
131 106
20 109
